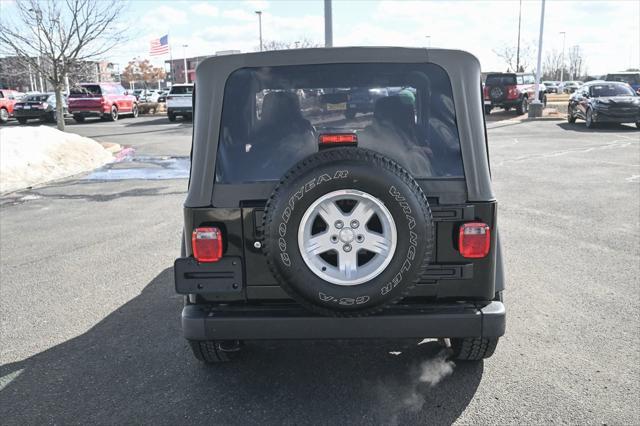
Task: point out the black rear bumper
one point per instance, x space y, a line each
208 322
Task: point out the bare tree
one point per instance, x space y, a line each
509 55
303 43
576 62
54 36
552 65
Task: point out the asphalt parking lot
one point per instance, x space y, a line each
91 331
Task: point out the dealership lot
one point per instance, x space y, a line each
90 321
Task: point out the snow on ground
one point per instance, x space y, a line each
34 155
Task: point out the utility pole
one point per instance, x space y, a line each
428 41
259 13
564 36
536 105
186 76
328 24
518 50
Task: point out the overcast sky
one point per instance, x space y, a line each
607 31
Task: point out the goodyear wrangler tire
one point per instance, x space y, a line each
347 232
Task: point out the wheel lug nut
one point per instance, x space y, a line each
355 224
347 247
360 238
338 224
334 238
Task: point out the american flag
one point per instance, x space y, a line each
159 46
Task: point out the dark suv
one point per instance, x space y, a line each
511 90
303 224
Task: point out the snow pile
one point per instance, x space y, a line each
34 155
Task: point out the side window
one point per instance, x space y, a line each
528 79
519 79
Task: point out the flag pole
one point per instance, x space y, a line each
170 59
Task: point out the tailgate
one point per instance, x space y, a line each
179 101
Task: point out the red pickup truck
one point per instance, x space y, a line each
8 98
105 100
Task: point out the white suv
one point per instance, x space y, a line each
179 101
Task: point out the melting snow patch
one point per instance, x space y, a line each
33 155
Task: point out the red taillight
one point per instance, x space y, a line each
338 138
207 244
512 92
474 240
486 92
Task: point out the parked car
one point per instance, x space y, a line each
137 93
511 90
162 96
148 95
41 106
632 78
8 98
551 86
299 224
179 101
105 100
362 100
570 86
608 102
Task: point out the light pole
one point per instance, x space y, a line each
328 24
259 13
38 13
428 41
186 76
536 106
564 36
518 50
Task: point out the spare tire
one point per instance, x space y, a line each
347 232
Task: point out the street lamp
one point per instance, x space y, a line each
38 13
564 36
186 77
259 13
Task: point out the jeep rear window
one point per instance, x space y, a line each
272 117
87 89
500 80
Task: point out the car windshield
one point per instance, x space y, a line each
602 90
625 78
36 98
273 117
182 90
501 80
87 89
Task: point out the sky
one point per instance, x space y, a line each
607 31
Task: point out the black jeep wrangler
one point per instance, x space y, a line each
301 223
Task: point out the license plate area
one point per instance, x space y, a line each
222 280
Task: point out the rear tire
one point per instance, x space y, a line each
215 351
134 111
487 110
22 120
350 114
522 107
4 115
113 115
171 117
638 124
473 348
570 117
79 118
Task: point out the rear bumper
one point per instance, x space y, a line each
503 103
204 322
87 112
180 110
